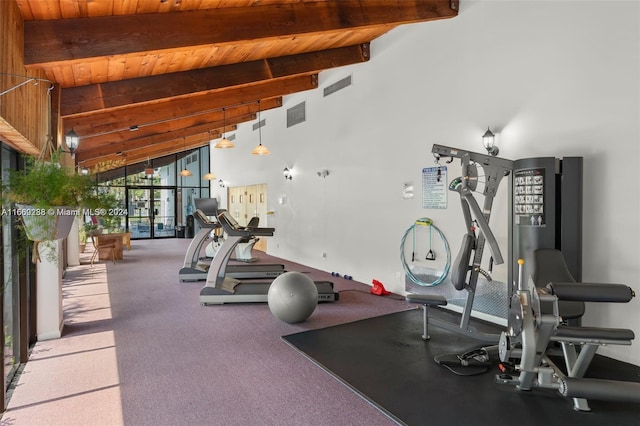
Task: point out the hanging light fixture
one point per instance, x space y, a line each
148 170
209 175
224 142
185 172
260 149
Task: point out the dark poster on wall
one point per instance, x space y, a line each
529 197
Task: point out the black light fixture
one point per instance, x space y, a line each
221 183
72 140
488 140
288 173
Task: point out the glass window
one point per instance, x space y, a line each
157 203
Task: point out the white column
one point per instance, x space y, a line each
49 291
73 244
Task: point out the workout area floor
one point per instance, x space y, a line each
138 349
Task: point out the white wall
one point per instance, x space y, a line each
552 78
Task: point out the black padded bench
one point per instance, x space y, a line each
426 300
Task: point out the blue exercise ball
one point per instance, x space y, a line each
292 297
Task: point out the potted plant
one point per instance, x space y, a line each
48 197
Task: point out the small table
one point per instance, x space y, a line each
120 239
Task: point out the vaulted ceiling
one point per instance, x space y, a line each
141 79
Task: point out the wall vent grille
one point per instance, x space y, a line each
296 114
338 85
259 124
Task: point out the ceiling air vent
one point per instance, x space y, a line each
259 124
231 137
296 114
338 85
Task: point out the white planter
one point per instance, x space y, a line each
47 224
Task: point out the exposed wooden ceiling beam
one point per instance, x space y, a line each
139 115
166 147
124 93
153 145
210 121
51 42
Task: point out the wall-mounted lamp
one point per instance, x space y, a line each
288 173
488 140
72 140
222 183
84 171
323 173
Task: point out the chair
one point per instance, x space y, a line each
97 245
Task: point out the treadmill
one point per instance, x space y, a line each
220 288
193 268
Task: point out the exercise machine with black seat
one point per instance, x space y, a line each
221 288
466 268
535 323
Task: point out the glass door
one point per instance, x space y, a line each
151 212
140 212
164 212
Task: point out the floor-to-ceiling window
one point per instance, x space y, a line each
18 284
157 195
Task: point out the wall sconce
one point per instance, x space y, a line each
323 173
222 183
72 140
84 171
288 173
488 140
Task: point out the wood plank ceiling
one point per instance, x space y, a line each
178 71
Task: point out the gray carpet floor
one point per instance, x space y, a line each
138 349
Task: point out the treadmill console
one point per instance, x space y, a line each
203 220
232 227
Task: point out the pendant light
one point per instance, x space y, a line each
185 172
209 175
260 149
148 170
224 142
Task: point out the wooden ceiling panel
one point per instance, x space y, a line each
169 67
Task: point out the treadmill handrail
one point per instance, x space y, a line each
239 231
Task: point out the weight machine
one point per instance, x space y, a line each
466 268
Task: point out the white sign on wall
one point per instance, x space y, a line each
434 187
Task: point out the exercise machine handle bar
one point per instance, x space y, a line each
495 168
232 228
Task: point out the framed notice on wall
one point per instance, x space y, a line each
434 187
